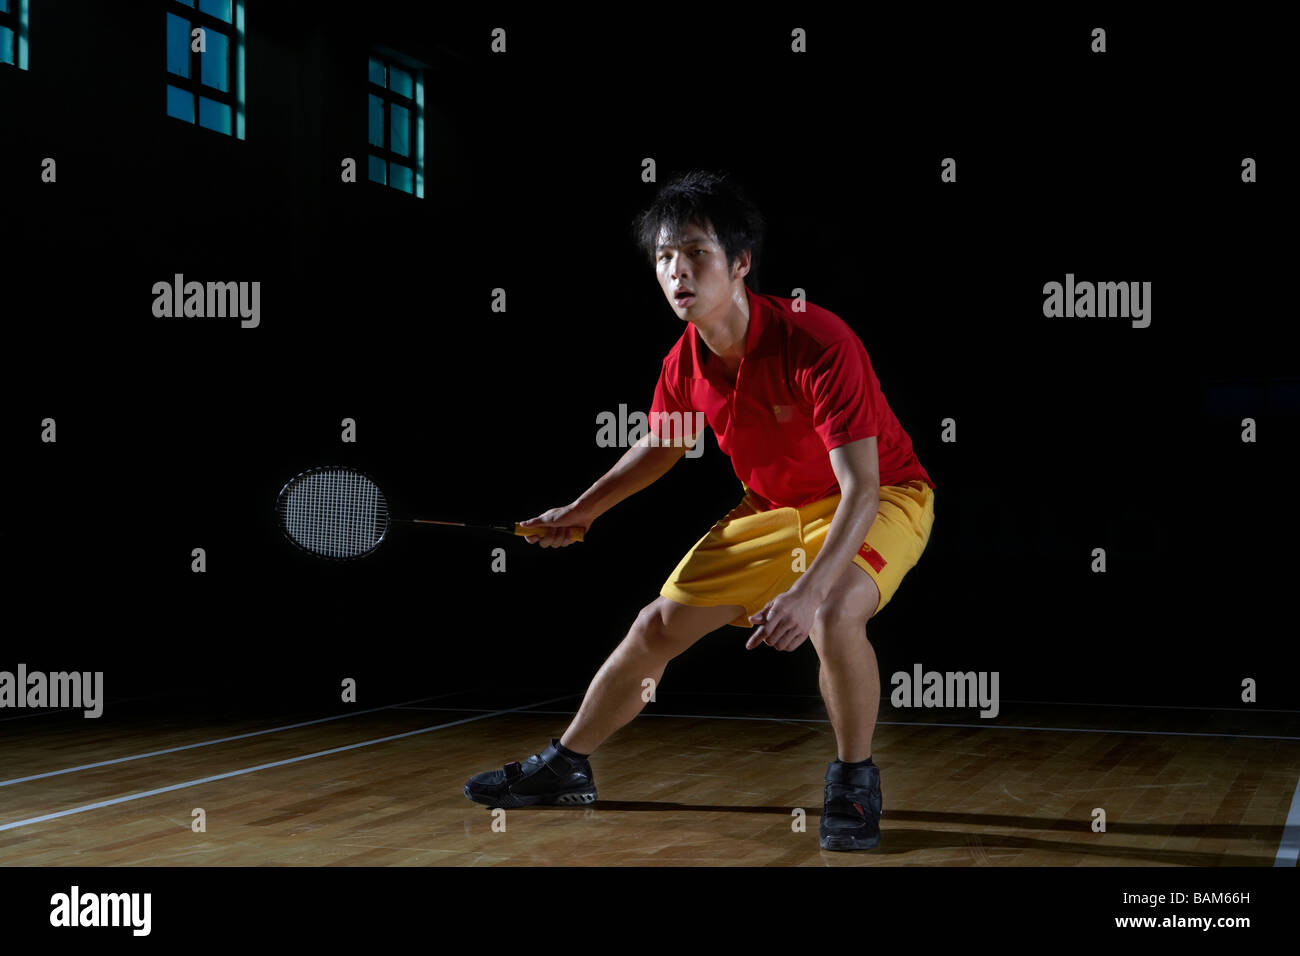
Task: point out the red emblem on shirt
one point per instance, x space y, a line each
872 557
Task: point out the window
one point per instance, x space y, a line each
396 135
206 87
13 33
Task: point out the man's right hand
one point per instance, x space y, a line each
564 519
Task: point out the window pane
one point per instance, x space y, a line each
218 8
178 46
188 3
214 115
377 72
399 81
400 118
376 121
180 103
378 170
4 6
6 45
402 178
216 61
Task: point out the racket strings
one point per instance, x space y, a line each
334 512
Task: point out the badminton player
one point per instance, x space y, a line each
836 507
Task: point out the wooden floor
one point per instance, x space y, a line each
691 782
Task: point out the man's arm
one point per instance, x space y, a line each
857 469
641 465
787 620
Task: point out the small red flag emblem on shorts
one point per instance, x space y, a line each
872 557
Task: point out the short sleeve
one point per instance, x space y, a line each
841 386
671 415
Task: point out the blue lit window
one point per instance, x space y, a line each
206 87
396 124
13 33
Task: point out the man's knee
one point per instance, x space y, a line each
842 617
650 631
665 629
838 617
848 608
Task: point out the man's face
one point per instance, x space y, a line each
692 271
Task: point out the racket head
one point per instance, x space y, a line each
333 512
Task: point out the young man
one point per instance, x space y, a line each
836 510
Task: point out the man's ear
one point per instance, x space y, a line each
742 265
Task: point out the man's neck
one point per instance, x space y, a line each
724 333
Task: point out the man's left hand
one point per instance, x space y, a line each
785 621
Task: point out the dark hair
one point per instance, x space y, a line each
702 198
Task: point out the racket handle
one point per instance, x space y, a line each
540 529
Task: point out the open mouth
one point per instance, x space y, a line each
683 297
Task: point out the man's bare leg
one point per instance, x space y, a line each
662 630
849 674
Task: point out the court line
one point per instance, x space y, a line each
265 766
50 712
226 740
1230 710
1005 700
906 723
1289 849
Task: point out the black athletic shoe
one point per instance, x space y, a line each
851 813
547 778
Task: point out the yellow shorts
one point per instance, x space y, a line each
751 556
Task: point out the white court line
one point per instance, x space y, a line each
906 723
226 740
1005 700
50 712
1289 849
1228 710
265 766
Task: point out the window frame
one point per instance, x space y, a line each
233 96
16 19
414 104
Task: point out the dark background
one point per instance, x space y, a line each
1072 434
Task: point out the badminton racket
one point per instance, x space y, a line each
338 512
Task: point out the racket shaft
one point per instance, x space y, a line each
508 529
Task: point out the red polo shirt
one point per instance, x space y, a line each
805 386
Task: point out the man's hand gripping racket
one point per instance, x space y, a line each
558 527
